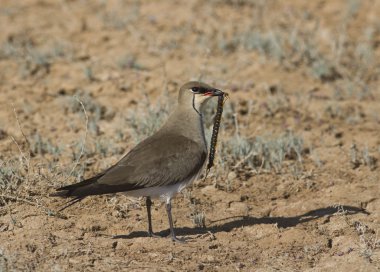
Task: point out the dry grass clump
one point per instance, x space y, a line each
266 152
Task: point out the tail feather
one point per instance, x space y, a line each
73 190
70 203
78 191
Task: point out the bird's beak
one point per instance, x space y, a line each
214 92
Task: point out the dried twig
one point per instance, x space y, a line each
22 156
16 198
243 160
19 126
26 158
35 204
84 141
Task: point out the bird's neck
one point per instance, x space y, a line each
187 122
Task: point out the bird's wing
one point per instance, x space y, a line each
157 161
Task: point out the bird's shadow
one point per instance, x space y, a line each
241 221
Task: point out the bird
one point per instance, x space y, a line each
161 165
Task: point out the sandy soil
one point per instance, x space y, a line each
309 69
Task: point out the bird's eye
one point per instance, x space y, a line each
195 90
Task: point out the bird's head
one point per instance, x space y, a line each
195 94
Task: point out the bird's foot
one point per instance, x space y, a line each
178 240
153 235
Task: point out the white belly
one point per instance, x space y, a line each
165 193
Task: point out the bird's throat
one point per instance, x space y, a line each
195 107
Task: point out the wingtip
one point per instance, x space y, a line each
63 193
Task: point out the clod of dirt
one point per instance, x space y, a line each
3 134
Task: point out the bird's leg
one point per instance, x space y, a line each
169 212
148 209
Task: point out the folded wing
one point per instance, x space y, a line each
157 161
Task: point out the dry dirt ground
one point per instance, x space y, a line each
296 181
